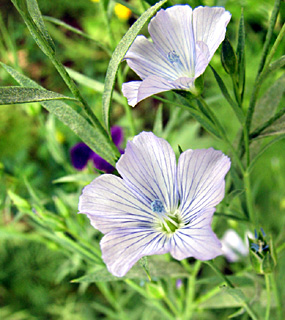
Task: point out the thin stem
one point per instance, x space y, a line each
219 273
269 34
277 296
190 295
249 199
268 293
222 132
275 46
171 306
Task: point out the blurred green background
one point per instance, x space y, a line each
36 266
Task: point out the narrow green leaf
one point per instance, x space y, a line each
12 95
267 105
157 269
119 54
36 15
226 94
228 57
241 55
93 84
90 135
36 33
158 121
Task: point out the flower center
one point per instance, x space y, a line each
166 222
173 57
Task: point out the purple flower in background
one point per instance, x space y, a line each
184 42
81 153
157 206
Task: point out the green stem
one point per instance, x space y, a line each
249 199
190 295
269 34
154 302
275 46
219 273
268 293
277 296
222 132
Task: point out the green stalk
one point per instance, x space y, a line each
190 294
219 273
268 293
222 132
269 34
277 296
249 199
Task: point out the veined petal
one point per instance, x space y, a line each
200 179
209 24
136 91
122 248
146 60
196 239
149 168
110 204
172 33
130 91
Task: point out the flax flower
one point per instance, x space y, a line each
184 42
157 206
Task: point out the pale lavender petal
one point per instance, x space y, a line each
200 179
209 24
122 248
149 168
109 205
145 60
136 91
172 33
130 91
202 54
196 239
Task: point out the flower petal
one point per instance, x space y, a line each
102 164
145 60
117 135
149 168
136 91
122 248
80 154
200 179
172 32
130 91
209 24
109 204
196 239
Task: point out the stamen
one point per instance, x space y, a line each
173 57
157 206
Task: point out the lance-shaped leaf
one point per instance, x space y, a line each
12 95
241 56
119 54
90 135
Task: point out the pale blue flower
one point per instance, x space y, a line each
157 206
184 42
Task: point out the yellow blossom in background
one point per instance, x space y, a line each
122 12
60 138
95 0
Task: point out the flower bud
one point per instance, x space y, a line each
262 253
228 57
